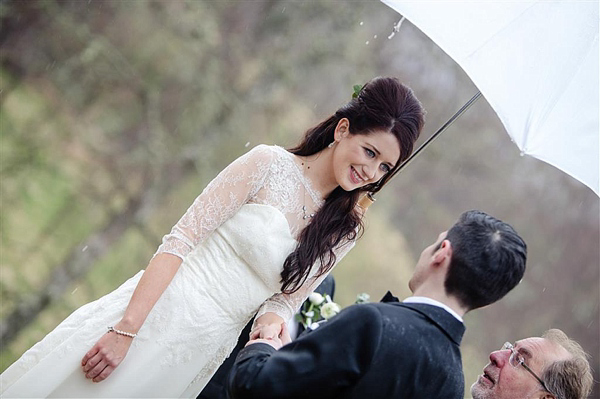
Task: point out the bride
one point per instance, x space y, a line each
257 240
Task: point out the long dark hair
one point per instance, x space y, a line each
383 104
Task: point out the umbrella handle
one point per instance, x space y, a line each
366 201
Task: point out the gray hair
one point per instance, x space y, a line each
571 378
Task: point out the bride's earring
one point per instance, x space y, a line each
331 144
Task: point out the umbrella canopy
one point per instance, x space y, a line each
536 63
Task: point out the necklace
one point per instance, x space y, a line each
305 215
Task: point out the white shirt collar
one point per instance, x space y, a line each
429 301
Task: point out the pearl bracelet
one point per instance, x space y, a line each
125 333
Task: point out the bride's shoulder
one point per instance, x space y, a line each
269 153
261 152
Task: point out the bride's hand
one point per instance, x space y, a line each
266 331
276 342
267 326
100 361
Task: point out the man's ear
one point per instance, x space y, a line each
342 129
443 255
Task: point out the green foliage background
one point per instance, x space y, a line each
115 114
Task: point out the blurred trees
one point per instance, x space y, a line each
114 115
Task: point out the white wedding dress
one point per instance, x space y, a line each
233 241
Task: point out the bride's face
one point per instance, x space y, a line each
361 159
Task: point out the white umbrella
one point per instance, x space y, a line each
536 63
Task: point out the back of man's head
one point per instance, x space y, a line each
488 259
571 378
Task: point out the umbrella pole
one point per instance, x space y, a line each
439 131
368 198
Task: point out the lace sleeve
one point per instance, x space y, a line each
286 305
220 200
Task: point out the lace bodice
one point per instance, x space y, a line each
267 175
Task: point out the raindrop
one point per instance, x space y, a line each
283 10
361 23
375 37
84 249
367 42
75 290
544 289
247 144
522 153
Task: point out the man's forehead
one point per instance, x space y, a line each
542 350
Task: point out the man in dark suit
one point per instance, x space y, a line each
394 349
215 389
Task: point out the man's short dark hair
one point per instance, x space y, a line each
488 259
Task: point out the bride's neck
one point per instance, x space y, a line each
319 169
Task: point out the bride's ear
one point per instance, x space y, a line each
342 129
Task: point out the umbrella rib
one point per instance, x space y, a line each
555 101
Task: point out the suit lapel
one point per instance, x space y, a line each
453 328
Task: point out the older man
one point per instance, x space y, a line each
548 367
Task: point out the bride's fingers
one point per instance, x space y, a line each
91 353
92 362
255 333
105 373
266 331
96 370
270 331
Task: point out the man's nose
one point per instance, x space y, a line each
499 358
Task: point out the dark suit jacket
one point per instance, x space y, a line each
381 350
215 389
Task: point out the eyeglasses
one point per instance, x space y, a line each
516 360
